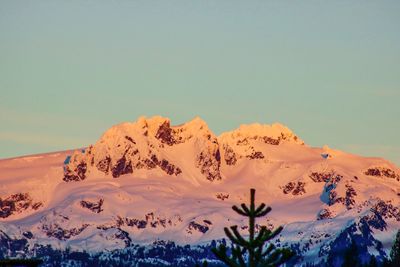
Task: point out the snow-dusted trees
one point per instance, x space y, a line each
395 252
350 258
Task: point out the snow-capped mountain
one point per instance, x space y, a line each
148 181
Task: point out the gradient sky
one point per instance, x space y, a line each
330 71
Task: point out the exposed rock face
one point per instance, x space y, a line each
164 134
323 177
139 224
324 214
76 174
256 155
17 203
382 172
57 228
167 167
333 198
263 139
150 220
123 166
374 220
271 141
120 234
75 166
288 187
229 155
209 163
349 199
169 136
320 177
93 206
202 227
104 165
62 234
115 233
386 210
222 196
295 188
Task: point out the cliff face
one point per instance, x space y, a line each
149 144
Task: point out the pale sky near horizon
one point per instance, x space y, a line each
330 71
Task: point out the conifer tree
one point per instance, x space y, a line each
351 256
372 262
258 254
385 263
395 252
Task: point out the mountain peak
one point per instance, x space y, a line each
152 124
143 125
273 130
196 122
275 133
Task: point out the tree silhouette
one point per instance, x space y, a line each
21 262
372 262
350 258
395 252
258 254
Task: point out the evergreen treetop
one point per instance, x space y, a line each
258 254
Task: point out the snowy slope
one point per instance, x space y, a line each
148 180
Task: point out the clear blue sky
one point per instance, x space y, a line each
330 71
